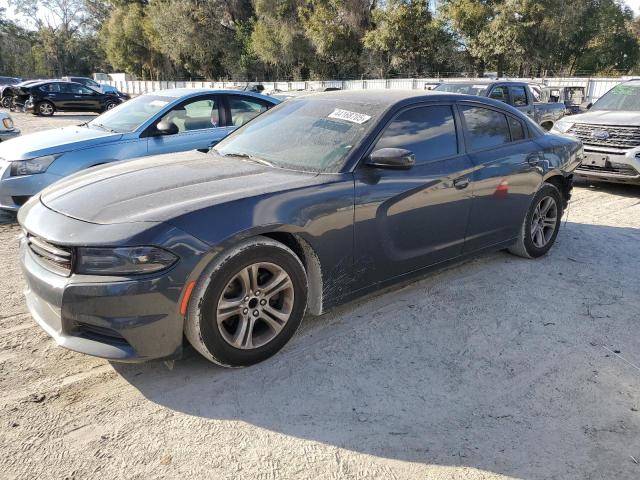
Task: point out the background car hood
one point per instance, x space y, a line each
50 142
163 187
606 117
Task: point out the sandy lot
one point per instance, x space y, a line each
496 368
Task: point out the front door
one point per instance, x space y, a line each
199 123
409 219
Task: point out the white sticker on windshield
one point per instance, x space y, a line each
480 86
353 117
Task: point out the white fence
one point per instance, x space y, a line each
595 87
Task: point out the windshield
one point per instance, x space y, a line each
466 88
130 115
312 133
621 97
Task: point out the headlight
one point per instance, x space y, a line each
8 123
122 261
29 167
562 127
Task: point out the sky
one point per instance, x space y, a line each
634 4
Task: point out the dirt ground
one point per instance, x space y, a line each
496 368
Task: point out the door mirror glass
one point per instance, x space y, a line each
589 105
166 127
394 158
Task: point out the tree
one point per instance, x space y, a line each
335 30
406 40
278 38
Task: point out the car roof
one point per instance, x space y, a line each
389 98
482 82
192 92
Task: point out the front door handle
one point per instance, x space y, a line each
461 183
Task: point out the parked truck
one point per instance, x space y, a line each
610 133
516 94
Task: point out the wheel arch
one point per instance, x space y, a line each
562 183
312 265
291 238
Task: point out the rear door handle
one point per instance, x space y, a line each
461 183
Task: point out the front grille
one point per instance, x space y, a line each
54 257
617 137
616 168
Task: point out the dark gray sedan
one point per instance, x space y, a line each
322 199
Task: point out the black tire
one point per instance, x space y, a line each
525 246
109 106
45 109
5 102
201 325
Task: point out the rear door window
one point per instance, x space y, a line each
244 109
429 132
485 127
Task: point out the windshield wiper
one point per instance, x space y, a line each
99 125
249 157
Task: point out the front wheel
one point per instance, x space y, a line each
5 102
110 105
541 224
248 303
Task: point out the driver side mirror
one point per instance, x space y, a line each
589 105
166 127
392 158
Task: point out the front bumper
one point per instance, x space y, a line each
621 166
15 191
119 320
8 134
127 319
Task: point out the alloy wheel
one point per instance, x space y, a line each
544 221
45 109
255 306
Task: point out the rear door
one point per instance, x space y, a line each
409 219
506 174
57 94
82 98
200 123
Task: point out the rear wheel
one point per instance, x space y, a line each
248 303
541 224
46 109
5 102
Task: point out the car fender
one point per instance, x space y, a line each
77 160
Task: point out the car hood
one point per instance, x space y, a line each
50 142
163 187
606 117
